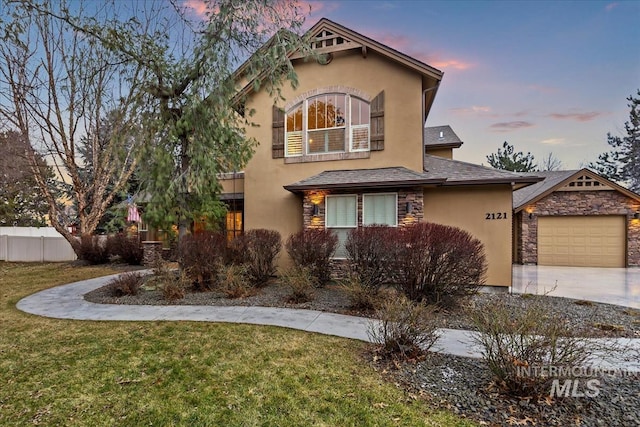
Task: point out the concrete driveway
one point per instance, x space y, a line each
619 286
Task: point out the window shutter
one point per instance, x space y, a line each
277 143
377 122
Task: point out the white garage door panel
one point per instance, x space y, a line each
582 241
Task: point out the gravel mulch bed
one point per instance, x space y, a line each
464 385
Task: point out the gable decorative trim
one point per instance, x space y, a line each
586 183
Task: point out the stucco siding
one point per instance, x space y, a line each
267 203
475 209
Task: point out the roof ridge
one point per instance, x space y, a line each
501 171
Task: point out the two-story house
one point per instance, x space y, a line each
349 148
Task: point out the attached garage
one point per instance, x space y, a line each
576 219
582 241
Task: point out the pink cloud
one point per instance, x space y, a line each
509 126
474 109
282 9
553 141
407 46
198 7
579 117
451 63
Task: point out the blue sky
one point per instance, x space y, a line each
544 76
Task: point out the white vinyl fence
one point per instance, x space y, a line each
33 244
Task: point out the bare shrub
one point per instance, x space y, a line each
361 297
234 281
237 251
262 248
200 257
517 346
371 252
127 248
126 284
301 283
313 248
438 264
93 249
404 328
173 290
162 273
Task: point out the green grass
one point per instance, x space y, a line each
60 372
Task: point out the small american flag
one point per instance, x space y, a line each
133 215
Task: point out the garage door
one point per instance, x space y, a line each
582 241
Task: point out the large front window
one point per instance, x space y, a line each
328 123
341 217
380 209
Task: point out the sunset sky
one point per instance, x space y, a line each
544 76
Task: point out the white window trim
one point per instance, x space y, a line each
364 196
347 127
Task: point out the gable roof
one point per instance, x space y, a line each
462 173
554 180
363 178
353 40
441 137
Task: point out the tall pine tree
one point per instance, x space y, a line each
622 162
507 159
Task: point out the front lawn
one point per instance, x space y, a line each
60 372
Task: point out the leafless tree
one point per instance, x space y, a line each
56 89
550 163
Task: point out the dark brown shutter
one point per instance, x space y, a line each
277 143
377 122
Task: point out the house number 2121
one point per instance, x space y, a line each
496 215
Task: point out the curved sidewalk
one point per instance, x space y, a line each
67 302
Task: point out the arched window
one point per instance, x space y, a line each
327 123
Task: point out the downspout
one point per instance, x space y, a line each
424 115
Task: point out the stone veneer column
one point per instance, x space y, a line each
151 252
416 197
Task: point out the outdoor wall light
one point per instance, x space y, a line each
409 207
316 210
636 215
530 215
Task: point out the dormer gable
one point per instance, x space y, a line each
440 141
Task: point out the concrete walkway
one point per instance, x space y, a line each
67 302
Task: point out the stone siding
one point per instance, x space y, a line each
413 196
565 203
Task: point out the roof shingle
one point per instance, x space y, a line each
433 138
551 179
363 178
458 173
